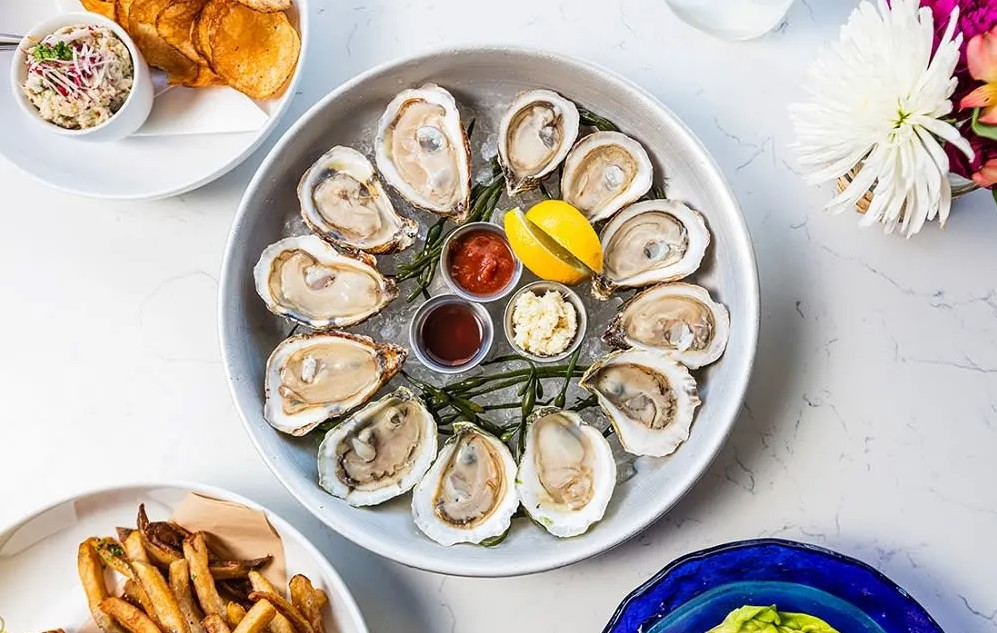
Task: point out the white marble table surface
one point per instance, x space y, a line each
871 421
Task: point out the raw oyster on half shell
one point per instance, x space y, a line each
604 172
567 473
379 452
313 377
342 200
678 319
650 242
535 135
469 494
422 150
308 281
649 398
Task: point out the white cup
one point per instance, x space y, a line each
133 112
732 19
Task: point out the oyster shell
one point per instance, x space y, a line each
379 452
535 135
649 242
650 399
604 172
469 494
313 377
343 201
308 281
678 319
567 473
422 150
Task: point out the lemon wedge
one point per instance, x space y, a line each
567 226
539 252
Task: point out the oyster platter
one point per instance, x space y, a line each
484 317
470 461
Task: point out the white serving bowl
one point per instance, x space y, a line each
41 586
125 121
484 81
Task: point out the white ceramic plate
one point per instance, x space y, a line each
483 82
135 168
41 587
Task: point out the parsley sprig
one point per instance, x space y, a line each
61 51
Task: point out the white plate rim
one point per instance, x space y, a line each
498 568
262 135
282 525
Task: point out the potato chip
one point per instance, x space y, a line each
208 17
176 24
103 7
121 10
254 52
157 51
267 6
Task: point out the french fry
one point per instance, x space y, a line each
234 613
134 548
257 618
166 610
195 550
160 552
279 624
133 593
215 623
131 618
323 598
304 596
112 554
91 570
232 569
288 610
180 586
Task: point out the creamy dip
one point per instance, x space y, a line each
79 76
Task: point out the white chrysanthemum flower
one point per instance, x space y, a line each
879 96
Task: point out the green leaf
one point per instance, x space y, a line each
982 129
993 192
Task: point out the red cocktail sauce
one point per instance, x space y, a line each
451 334
481 262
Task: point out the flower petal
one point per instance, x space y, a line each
985 95
987 176
989 115
981 54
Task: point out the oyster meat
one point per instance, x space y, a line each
469 494
535 135
308 281
604 172
678 319
650 242
343 201
379 452
649 398
313 377
567 473
422 150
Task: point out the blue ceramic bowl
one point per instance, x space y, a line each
696 592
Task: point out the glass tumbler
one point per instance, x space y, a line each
732 19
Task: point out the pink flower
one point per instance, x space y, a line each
981 54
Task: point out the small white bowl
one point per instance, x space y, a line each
459 290
133 112
418 346
539 288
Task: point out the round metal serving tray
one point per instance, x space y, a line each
484 81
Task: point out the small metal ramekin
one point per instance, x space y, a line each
540 288
455 287
419 319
